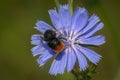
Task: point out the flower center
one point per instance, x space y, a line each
68 36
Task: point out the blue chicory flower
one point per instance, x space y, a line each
77 29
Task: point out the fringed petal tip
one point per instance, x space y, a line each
43 58
96 40
36 39
41 62
64 7
91 55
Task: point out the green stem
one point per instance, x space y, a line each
70 2
57 3
84 75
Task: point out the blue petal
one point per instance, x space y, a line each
71 59
79 18
37 50
55 18
93 20
36 42
44 58
41 49
36 39
94 30
65 16
96 40
91 55
42 26
59 64
81 59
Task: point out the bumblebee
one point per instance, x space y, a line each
52 41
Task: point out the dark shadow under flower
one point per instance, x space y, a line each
75 30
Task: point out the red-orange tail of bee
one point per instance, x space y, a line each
59 47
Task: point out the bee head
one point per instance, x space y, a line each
49 35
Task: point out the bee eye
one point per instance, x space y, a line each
52 44
49 35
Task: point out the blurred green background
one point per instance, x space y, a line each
17 19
